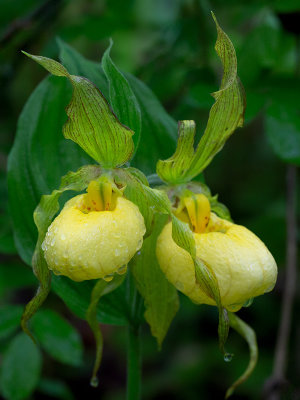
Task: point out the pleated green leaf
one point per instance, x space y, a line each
20 369
225 116
249 335
43 215
121 96
58 337
92 124
160 296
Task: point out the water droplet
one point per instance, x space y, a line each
94 382
228 357
44 247
63 237
138 253
52 242
122 270
108 278
139 244
117 252
248 302
269 288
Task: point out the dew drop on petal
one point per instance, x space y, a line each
63 237
94 381
228 357
108 278
122 270
248 302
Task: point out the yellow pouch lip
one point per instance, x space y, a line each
96 244
243 265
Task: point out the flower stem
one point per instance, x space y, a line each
134 371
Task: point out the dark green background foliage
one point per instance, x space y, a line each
168 45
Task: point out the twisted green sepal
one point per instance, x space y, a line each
249 335
225 116
100 289
137 190
43 215
205 277
92 124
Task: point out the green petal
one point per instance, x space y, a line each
92 124
205 277
225 116
100 289
249 335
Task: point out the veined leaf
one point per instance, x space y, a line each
225 116
160 296
10 316
92 124
43 215
122 98
57 337
20 369
249 335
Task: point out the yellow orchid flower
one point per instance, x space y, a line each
95 235
243 265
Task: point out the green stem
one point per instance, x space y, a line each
134 371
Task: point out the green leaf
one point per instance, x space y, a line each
76 295
160 297
43 215
55 389
100 289
91 123
225 116
57 337
122 98
158 128
20 369
282 125
15 276
249 335
10 318
78 65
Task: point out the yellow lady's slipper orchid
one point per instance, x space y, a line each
94 236
243 265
